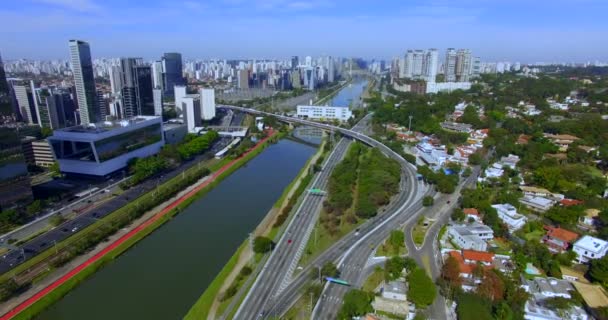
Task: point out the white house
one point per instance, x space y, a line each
539 204
508 214
589 248
542 288
472 236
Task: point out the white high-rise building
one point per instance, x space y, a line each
308 60
157 74
449 67
157 94
430 65
180 92
419 65
191 106
116 79
207 103
84 81
463 65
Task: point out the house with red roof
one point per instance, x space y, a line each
472 213
558 239
570 202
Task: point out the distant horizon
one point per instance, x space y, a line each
516 31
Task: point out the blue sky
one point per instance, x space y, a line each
516 30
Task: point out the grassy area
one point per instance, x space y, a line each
64 288
321 239
387 250
503 246
442 231
534 236
418 234
374 280
300 310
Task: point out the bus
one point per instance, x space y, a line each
337 281
316 191
85 192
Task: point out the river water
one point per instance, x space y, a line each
350 93
164 274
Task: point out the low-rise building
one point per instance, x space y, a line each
103 148
324 112
395 290
456 126
563 141
558 239
589 217
539 204
541 289
468 260
508 214
589 248
472 213
432 155
472 236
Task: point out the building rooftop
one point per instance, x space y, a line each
591 243
105 126
561 234
478 256
471 211
549 287
396 287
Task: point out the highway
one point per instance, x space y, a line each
360 244
277 272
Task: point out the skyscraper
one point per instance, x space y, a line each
137 94
25 103
157 93
207 103
115 79
4 89
144 90
419 65
172 72
463 65
243 79
84 81
449 67
294 62
157 74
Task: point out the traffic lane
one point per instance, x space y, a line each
307 211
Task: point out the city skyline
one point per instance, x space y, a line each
235 29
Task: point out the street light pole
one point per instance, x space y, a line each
409 128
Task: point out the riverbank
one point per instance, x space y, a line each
107 251
209 306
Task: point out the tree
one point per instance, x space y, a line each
393 268
475 159
458 215
427 201
598 271
491 287
467 172
330 270
262 244
55 170
356 303
57 220
34 207
422 290
397 240
451 271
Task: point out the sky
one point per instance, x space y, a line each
495 30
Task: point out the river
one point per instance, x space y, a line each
351 92
164 274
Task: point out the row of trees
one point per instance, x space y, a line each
343 180
195 145
445 183
379 178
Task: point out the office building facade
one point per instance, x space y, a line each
207 103
172 72
15 185
105 147
84 81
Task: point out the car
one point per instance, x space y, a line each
449 201
289 241
74 229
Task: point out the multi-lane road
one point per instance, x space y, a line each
354 249
276 274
